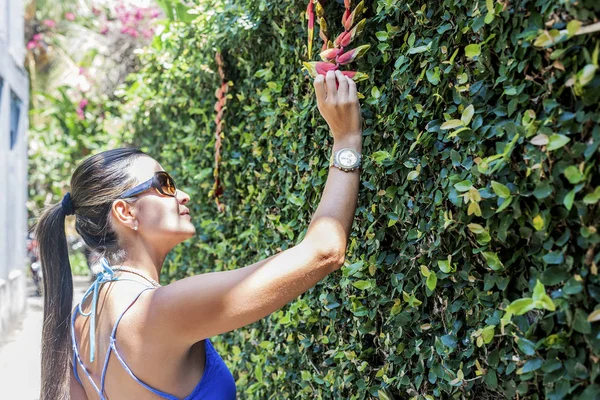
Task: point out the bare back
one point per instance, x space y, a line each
154 360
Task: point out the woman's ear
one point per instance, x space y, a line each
124 213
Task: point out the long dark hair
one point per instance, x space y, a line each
95 184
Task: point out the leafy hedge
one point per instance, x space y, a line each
480 184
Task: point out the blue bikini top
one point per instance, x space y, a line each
216 383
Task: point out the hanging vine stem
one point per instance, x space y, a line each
221 95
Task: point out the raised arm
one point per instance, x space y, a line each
206 305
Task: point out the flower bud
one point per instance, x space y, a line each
345 16
355 76
319 9
353 54
347 4
330 54
323 26
322 67
357 30
310 15
340 40
360 8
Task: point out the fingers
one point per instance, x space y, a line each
319 85
352 89
343 85
331 87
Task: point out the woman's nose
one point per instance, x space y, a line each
182 196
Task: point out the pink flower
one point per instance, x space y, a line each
155 13
83 103
37 37
104 30
82 71
148 33
70 16
49 23
31 45
96 11
138 15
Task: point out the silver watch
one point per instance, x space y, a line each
346 159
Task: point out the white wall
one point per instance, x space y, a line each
13 164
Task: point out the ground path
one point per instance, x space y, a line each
20 349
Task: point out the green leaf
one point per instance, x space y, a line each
526 346
568 200
295 200
520 306
543 190
487 334
467 115
433 76
500 190
476 228
472 50
382 36
538 222
573 175
431 281
425 271
540 140
453 123
553 258
538 290
444 265
505 204
380 156
545 302
572 27
557 141
586 75
580 322
463 186
362 285
492 260
412 175
592 198
531 365
449 341
594 316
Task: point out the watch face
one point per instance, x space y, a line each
347 158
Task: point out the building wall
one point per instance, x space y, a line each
14 106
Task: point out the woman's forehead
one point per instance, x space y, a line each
144 168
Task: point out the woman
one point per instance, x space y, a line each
131 338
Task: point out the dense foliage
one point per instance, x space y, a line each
472 268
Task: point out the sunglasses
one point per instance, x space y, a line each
161 181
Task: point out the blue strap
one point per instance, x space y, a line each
107 275
113 339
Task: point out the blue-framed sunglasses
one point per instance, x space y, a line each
161 181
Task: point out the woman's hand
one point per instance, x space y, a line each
339 106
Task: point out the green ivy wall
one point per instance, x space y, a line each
481 178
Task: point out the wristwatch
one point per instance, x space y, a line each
345 159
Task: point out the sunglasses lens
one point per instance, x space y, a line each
166 183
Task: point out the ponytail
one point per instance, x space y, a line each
58 299
95 183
